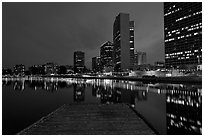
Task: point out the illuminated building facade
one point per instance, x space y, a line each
183 33
132 44
106 54
96 64
79 58
123 39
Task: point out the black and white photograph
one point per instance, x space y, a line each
101 68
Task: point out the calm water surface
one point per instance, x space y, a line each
168 108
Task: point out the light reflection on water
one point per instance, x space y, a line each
169 108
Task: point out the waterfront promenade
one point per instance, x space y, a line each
90 119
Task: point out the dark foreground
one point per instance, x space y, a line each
90 119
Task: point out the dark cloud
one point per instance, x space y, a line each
35 33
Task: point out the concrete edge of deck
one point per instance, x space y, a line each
41 119
143 118
64 105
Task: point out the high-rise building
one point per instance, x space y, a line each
132 44
96 64
140 58
123 38
183 33
79 62
106 54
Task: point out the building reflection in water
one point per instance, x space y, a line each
141 95
184 111
183 102
107 95
79 92
6 82
19 85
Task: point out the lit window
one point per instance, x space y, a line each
178 32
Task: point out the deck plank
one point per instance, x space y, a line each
90 119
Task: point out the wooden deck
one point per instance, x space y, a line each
90 119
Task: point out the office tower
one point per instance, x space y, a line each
79 62
123 38
183 33
96 64
140 58
19 70
131 44
106 54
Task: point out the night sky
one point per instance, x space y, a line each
37 33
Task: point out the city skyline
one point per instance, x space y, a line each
54 35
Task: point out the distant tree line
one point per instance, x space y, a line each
46 69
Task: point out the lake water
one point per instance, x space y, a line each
168 108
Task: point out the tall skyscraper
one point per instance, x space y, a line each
79 61
131 44
183 33
106 54
123 38
96 64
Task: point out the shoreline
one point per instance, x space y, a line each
186 79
